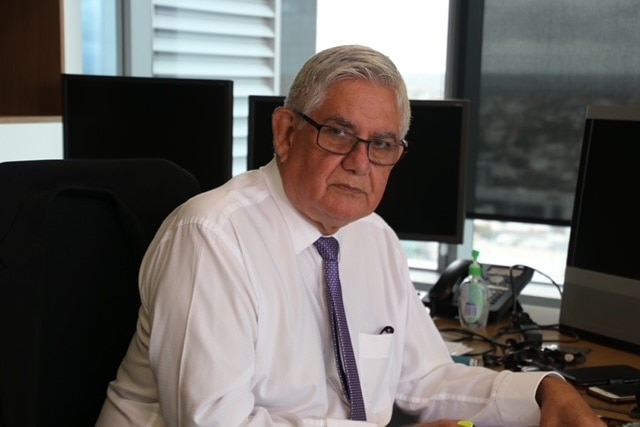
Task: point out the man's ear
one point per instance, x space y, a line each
283 122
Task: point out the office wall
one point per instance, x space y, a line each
31 140
31 45
39 39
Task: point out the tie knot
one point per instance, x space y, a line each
328 248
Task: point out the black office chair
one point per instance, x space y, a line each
72 236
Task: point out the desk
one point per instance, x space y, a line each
598 355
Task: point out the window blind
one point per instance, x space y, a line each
530 69
234 39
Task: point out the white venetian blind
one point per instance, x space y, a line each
220 39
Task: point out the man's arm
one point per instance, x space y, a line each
562 405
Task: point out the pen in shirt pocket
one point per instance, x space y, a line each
387 330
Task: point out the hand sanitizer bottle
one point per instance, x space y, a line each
473 297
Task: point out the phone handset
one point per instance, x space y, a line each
442 295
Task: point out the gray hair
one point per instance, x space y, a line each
338 63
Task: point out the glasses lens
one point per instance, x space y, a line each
339 141
336 140
385 152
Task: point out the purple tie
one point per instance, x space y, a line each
345 360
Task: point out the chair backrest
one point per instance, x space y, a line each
72 236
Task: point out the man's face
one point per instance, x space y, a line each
333 190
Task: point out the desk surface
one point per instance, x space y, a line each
597 355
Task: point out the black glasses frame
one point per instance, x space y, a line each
403 143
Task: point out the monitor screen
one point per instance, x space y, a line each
260 134
187 121
425 196
601 293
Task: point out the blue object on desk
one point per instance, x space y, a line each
465 360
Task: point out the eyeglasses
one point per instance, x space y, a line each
336 140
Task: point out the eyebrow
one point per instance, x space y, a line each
346 123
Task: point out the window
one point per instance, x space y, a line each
100 36
530 69
270 40
413 33
540 246
541 64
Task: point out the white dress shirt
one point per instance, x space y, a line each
233 327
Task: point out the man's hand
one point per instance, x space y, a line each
562 405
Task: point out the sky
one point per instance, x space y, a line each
413 33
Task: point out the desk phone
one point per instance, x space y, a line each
442 299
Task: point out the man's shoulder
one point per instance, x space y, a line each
241 192
373 222
373 229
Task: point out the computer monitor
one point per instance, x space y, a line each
259 133
187 121
601 295
425 196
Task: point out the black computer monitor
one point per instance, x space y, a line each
601 294
187 121
425 196
259 133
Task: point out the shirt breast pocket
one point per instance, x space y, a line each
375 366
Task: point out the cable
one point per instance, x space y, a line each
513 287
513 291
516 355
529 352
467 335
519 317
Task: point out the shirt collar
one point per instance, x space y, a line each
301 232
